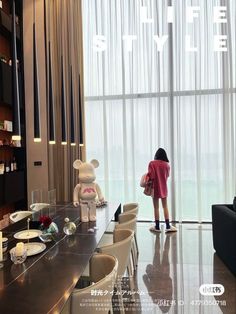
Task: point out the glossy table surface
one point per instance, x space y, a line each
44 282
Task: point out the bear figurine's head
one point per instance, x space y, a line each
86 170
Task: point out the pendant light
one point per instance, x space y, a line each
15 81
50 103
51 113
70 61
81 138
72 123
37 131
63 109
63 100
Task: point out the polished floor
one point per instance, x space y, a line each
171 269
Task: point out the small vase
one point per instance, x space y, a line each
49 233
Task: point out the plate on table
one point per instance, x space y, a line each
27 234
33 248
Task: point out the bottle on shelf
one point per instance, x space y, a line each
7 166
2 167
14 164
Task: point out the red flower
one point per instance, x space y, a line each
45 221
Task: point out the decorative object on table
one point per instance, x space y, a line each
32 248
92 230
69 227
28 221
86 192
18 253
49 229
27 234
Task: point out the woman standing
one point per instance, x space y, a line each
158 172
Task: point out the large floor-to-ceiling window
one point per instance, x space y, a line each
162 74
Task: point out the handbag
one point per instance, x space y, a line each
147 184
148 190
144 180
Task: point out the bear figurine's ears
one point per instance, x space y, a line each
77 163
95 163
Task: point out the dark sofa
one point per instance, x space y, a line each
224 234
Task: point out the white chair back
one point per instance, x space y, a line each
127 221
103 270
131 208
120 248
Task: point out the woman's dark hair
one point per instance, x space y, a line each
161 155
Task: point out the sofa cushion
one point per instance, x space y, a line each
234 204
224 231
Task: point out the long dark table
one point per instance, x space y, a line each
44 282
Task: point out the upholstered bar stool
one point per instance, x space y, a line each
103 274
129 208
126 221
129 221
121 249
132 208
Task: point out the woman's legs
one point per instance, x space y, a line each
165 208
156 211
166 215
156 208
166 212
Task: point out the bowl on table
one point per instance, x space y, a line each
19 215
38 206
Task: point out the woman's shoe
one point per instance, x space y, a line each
153 229
171 229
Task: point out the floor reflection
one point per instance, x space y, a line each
157 278
172 267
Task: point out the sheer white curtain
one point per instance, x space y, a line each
183 101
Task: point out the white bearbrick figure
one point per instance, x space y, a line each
86 192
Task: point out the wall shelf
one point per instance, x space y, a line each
12 188
13 185
11 147
6 85
5 131
6 27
